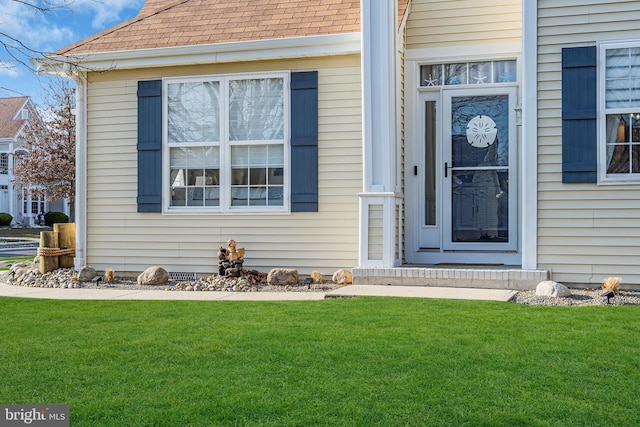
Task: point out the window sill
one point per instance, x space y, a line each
230 212
618 181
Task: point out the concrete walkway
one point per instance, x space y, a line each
344 292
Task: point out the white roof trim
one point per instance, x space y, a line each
296 47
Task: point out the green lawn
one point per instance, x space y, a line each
345 362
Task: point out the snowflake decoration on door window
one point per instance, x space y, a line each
481 131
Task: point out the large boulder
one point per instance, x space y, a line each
549 288
86 274
282 277
342 277
153 276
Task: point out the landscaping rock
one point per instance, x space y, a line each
153 276
28 274
86 274
282 277
549 288
342 277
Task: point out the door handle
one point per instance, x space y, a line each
446 169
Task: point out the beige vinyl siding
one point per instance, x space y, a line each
120 238
375 232
586 232
443 23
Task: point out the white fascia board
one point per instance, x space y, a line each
296 47
465 53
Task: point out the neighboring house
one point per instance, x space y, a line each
15 114
400 139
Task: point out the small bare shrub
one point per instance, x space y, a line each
108 275
612 284
316 277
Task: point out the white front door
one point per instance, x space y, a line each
462 178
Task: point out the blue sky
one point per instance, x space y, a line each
71 21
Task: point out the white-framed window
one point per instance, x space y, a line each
468 73
225 143
32 205
619 111
4 163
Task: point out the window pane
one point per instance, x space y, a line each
479 73
430 144
622 86
195 176
635 128
275 196
504 71
276 155
257 175
617 63
618 158
617 93
193 112
455 74
617 128
178 196
256 109
275 176
634 92
618 137
635 158
431 75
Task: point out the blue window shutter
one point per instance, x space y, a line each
579 115
150 146
304 141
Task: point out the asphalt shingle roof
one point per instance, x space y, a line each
172 23
9 107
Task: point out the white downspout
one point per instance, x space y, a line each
81 171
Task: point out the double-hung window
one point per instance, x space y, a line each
619 103
225 143
4 163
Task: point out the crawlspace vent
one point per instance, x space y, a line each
181 275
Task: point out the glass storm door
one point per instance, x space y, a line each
479 153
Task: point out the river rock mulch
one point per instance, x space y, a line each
579 297
27 274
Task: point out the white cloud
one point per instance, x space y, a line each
66 23
107 12
8 69
32 28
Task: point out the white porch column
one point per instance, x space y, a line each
529 164
12 195
380 206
